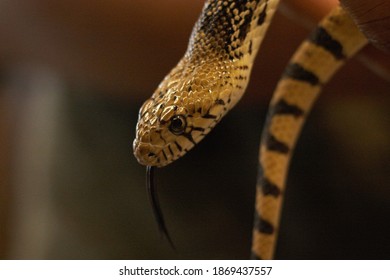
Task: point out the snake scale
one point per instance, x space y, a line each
211 78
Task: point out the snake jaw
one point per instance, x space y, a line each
153 155
146 153
171 136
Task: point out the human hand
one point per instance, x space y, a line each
373 18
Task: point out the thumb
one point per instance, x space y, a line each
373 18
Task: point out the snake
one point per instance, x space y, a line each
212 77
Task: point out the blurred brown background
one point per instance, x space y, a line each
72 77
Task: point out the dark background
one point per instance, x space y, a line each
71 188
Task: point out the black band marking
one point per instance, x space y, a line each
322 38
262 225
284 108
170 150
254 256
219 102
195 128
189 137
262 15
178 146
268 188
250 47
265 185
209 116
297 72
274 144
164 154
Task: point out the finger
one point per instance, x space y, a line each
373 18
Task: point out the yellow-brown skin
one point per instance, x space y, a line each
207 82
210 80
286 127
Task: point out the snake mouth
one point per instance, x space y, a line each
151 155
145 153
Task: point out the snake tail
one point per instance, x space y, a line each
317 59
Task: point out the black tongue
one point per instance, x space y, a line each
153 197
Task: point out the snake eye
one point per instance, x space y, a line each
178 125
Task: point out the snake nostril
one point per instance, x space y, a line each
151 155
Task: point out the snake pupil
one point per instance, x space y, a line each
177 125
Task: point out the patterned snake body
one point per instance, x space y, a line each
317 59
211 78
207 82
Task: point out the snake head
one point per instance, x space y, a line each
187 104
168 128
